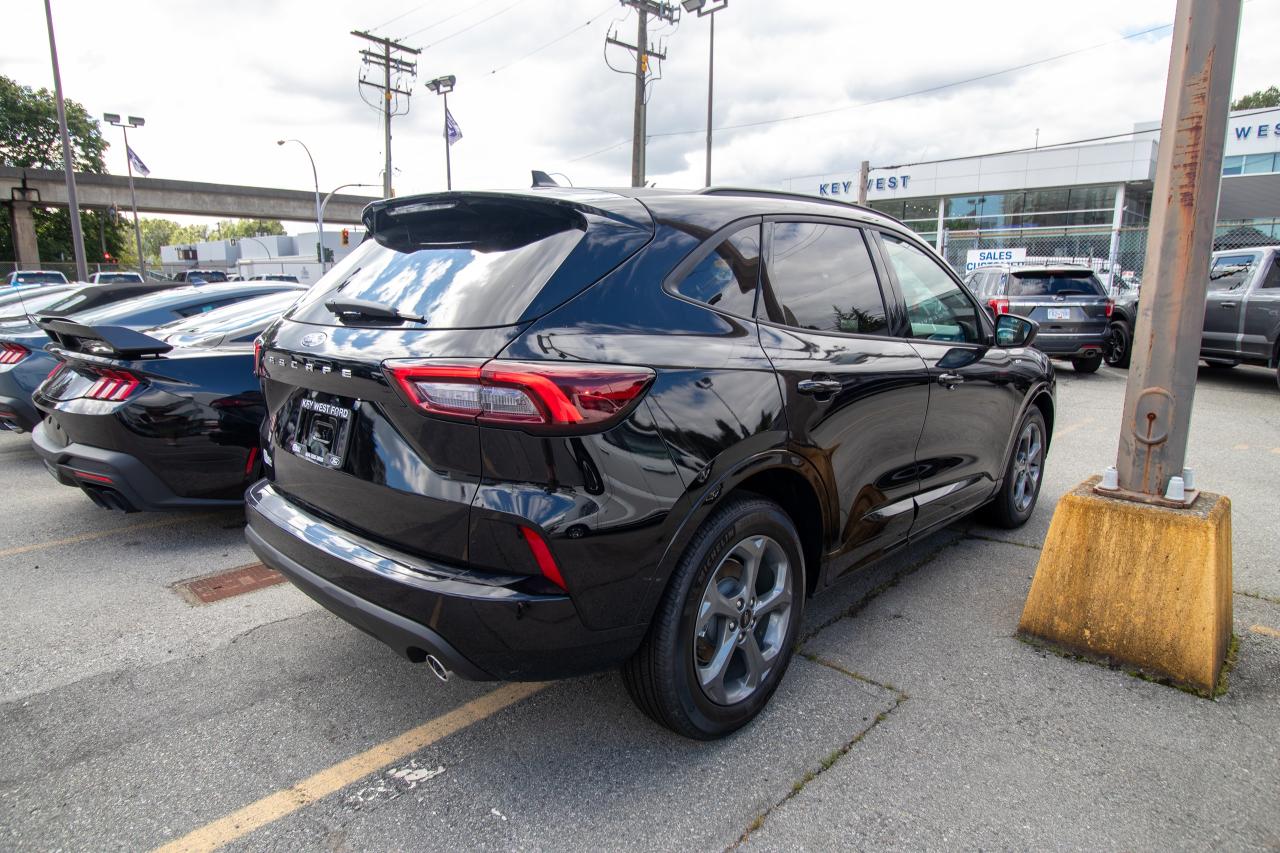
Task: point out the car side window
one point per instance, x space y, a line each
820 276
937 307
1273 274
726 278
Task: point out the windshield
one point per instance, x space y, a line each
242 316
465 270
1231 272
1056 283
38 278
206 275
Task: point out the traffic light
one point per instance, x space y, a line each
106 256
346 236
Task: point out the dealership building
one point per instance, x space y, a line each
1088 203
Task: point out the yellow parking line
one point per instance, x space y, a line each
272 807
102 534
1265 631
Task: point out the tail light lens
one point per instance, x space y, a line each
257 356
553 395
1111 306
12 353
113 385
998 306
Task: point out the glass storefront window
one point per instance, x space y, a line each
1047 201
1255 163
1092 198
920 208
1232 165
893 207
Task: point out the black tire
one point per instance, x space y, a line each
1220 363
1088 364
1118 351
1007 508
662 677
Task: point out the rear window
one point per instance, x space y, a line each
116 277
1231 272
250 313
1060 283
453 265
38 278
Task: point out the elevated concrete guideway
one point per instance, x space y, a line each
161 195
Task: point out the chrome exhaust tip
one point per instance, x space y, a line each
437 668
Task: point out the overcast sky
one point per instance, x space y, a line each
219 81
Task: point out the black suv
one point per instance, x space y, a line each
533 434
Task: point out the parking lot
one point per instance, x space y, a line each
132 717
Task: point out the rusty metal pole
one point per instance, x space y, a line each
1166 344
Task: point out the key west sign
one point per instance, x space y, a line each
877 184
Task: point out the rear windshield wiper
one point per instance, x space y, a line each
371 310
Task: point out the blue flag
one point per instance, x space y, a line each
452 133
136 162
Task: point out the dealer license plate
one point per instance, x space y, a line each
323 432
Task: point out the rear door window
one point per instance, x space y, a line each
1058 283
819 276
726 278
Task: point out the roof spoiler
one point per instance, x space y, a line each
118 341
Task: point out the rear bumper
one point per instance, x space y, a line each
1068 344
113 480
478 625
18 415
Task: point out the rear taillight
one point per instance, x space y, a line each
257 356
12 353
998 306
551 395
113 385
1111 306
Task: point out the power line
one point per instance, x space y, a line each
924 91
467 28
556 40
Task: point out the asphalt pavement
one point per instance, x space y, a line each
912 718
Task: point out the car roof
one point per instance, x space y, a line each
1014 269
706 209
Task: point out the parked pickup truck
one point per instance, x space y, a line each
1241 312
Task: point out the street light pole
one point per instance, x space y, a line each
319 211
330 195
133 121
68 164
709 10
442 86
1166 351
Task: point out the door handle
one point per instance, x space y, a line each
1227 304
949 380
818 387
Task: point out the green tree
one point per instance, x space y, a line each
230 229
1257 100
30 139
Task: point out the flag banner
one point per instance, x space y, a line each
136 162
452 133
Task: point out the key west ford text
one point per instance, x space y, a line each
893 182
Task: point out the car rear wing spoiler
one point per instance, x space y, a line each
110 341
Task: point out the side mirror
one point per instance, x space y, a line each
1015 331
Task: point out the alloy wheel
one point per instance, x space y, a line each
1117 344
1028 462
742 620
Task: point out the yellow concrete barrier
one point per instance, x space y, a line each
1136 585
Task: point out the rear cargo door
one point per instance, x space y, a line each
445 279
1063 302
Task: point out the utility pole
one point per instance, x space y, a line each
643 51
68 164
1166 342
389 62
864 175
